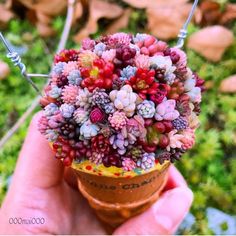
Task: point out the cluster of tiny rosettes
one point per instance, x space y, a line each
122 100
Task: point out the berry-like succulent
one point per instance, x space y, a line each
182 105
69 94
135 152
177 89
64 151
109 108
66 55
180 123
128 164
88 130
82 149
69 130
146 109
100 97
96 115
149 45
176 154
124 56
143 82
147 161
67 110
112 160
100 75
80 115
101 144
118 120
124 100
163 156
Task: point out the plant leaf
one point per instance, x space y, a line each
166 21
4 70
228 85
120 23
98 9
211 42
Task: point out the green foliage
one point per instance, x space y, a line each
210 168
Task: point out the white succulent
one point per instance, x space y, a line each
165 63
124 99
84 99
88 130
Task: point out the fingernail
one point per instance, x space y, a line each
172 207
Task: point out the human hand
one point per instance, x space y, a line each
42 188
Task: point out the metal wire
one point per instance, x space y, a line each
16 59
183 32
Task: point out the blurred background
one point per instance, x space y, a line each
33 29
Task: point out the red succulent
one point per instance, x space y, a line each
99 76
66 55
144 83
101 144
160 94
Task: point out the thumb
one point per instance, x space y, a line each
163 217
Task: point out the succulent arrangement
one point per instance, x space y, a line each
122 100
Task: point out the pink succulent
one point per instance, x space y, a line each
88 44
175 140
142 61
97 115
43 124
166 110
69 94
96 158
70 66
109 55
118 120
182 62
134 129
56 120
188 138
122 38
128 164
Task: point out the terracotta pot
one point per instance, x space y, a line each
116 199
